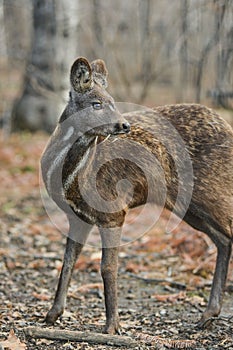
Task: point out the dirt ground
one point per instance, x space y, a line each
31 252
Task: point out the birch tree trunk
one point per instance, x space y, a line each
54 47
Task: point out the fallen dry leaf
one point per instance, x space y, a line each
12 342
40 296
87 287
170 297
37 264
169 343
131 267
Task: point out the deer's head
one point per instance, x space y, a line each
89 101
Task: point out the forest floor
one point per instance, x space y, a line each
31 252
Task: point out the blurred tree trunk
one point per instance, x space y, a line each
18 28
224 65
97 25
147 61
46 78
219 12
184 76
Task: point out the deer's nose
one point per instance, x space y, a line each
126 127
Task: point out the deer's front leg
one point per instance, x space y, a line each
109 269
73 249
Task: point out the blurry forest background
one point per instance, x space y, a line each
157 52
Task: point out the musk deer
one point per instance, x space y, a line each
89 130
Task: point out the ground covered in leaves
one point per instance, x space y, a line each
164 278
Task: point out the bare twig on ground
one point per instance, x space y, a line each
89 337
178 285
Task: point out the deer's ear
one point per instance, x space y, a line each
100 73
81 75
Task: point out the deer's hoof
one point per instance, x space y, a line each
53 315
203 323
112 328
207 318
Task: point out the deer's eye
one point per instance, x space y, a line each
97 105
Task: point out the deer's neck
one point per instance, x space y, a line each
78 159
66 151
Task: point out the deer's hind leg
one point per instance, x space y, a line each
224 247
223 243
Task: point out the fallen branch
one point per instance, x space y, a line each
178 285
89 337
107 339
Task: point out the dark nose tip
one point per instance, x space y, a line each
126 127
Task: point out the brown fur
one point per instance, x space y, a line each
209 141
206 139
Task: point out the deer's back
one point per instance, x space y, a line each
208 140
